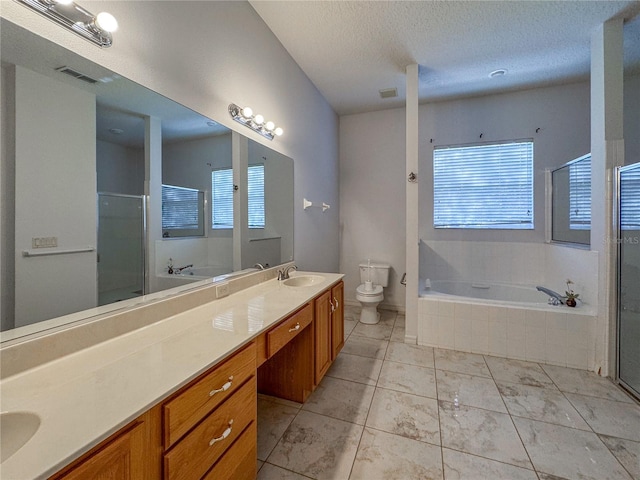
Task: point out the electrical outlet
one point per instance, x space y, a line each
222 290
44 242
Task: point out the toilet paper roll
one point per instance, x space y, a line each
368 286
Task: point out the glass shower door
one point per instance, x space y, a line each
629 277
121 247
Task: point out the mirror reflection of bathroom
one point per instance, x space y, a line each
571 202
374 277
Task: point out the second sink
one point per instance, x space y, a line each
303 280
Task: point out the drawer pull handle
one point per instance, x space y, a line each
224 435
333 307
223 388
337 303
297 327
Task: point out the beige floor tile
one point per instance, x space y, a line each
584 382
461 362
365 347
342 399
318 446
480 392
463 466
616 419
385 456
355 368
271 472
626 451
273 420
408 378
518 371
410 354
379 331
406 415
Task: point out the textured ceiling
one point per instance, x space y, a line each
352 49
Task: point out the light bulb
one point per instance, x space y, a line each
270 125
64 2
278 131
107 22
247 112
259 119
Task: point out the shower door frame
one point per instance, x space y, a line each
145 280
617 211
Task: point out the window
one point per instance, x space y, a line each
580 193
630 198
486 186
182 211
222 197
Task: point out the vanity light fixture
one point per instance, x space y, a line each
256 122
95 28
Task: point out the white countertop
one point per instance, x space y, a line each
84 397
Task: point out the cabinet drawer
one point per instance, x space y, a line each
205 444
289 328
188 408
240 461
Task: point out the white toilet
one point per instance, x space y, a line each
374 277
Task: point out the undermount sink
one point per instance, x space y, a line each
303 280
16 428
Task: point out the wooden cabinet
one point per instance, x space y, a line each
208 424
337 319
130 454
322 337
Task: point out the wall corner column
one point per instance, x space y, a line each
607 152
412 238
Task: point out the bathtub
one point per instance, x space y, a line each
511 321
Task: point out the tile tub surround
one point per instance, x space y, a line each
517 420
85 396
555 335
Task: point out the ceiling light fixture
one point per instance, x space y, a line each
501 72
256 122
95 28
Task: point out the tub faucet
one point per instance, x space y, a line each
554 298
284 273
180 269
259 265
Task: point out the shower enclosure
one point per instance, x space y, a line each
121 247
628 209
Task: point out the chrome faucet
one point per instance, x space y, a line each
284 273
259 265
180 269
554 298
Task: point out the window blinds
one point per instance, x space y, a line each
580 194
630 198
180 208
484 186
222 197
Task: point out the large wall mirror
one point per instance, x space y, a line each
571 202
112 194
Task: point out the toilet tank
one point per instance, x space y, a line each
379 273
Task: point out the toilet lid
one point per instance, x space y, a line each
377 290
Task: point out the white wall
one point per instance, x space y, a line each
201 55
372 194
120 169
55 197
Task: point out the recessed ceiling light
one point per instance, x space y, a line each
388 92
116 131
501 72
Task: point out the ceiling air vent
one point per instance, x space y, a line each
388 93
80 76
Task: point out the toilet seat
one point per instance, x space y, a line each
377 290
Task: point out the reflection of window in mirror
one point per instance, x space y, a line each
571 202
222 197
182 212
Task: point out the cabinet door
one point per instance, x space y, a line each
337 320
322 328
121 459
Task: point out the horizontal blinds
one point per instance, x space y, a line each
580 194
179 208
484 186
630 198
222 198
255 191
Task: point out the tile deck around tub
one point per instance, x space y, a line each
385 410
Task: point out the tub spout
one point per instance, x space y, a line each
555 298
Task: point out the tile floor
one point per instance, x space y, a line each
385 410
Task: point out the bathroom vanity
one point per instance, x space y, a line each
177 398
